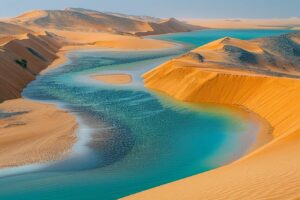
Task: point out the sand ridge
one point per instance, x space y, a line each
94 21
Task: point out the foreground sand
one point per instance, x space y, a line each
270 172
36 133
113 78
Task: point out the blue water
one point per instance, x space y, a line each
198 38
130 138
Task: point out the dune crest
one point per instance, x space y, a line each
273 170
76 19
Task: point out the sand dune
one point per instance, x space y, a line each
171 25
270 172
289 23
93 21
8 29
34 133
270 56
22 59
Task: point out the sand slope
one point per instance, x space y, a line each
95 21
278 55
22 59
34 132
270 172
171 25
12 29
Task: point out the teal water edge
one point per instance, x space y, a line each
198 38
130 138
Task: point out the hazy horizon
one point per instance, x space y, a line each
256 9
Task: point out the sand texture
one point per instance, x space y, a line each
94 21
22 59
33 132
270 172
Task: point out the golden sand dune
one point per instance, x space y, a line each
270 56
94 21
270 172
171 25
34 132
22 59
8 29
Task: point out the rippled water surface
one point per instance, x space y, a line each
130 138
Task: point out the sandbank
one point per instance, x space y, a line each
113 78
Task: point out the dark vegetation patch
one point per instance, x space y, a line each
194 56
22 63
241 54
36 54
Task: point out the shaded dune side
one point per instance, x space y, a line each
270 172
169 26
22 59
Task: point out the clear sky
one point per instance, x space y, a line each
166 8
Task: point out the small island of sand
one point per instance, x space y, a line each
113 78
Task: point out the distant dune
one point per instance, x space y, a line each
255 75
169 26
279 56
73 19
290 23
12 29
